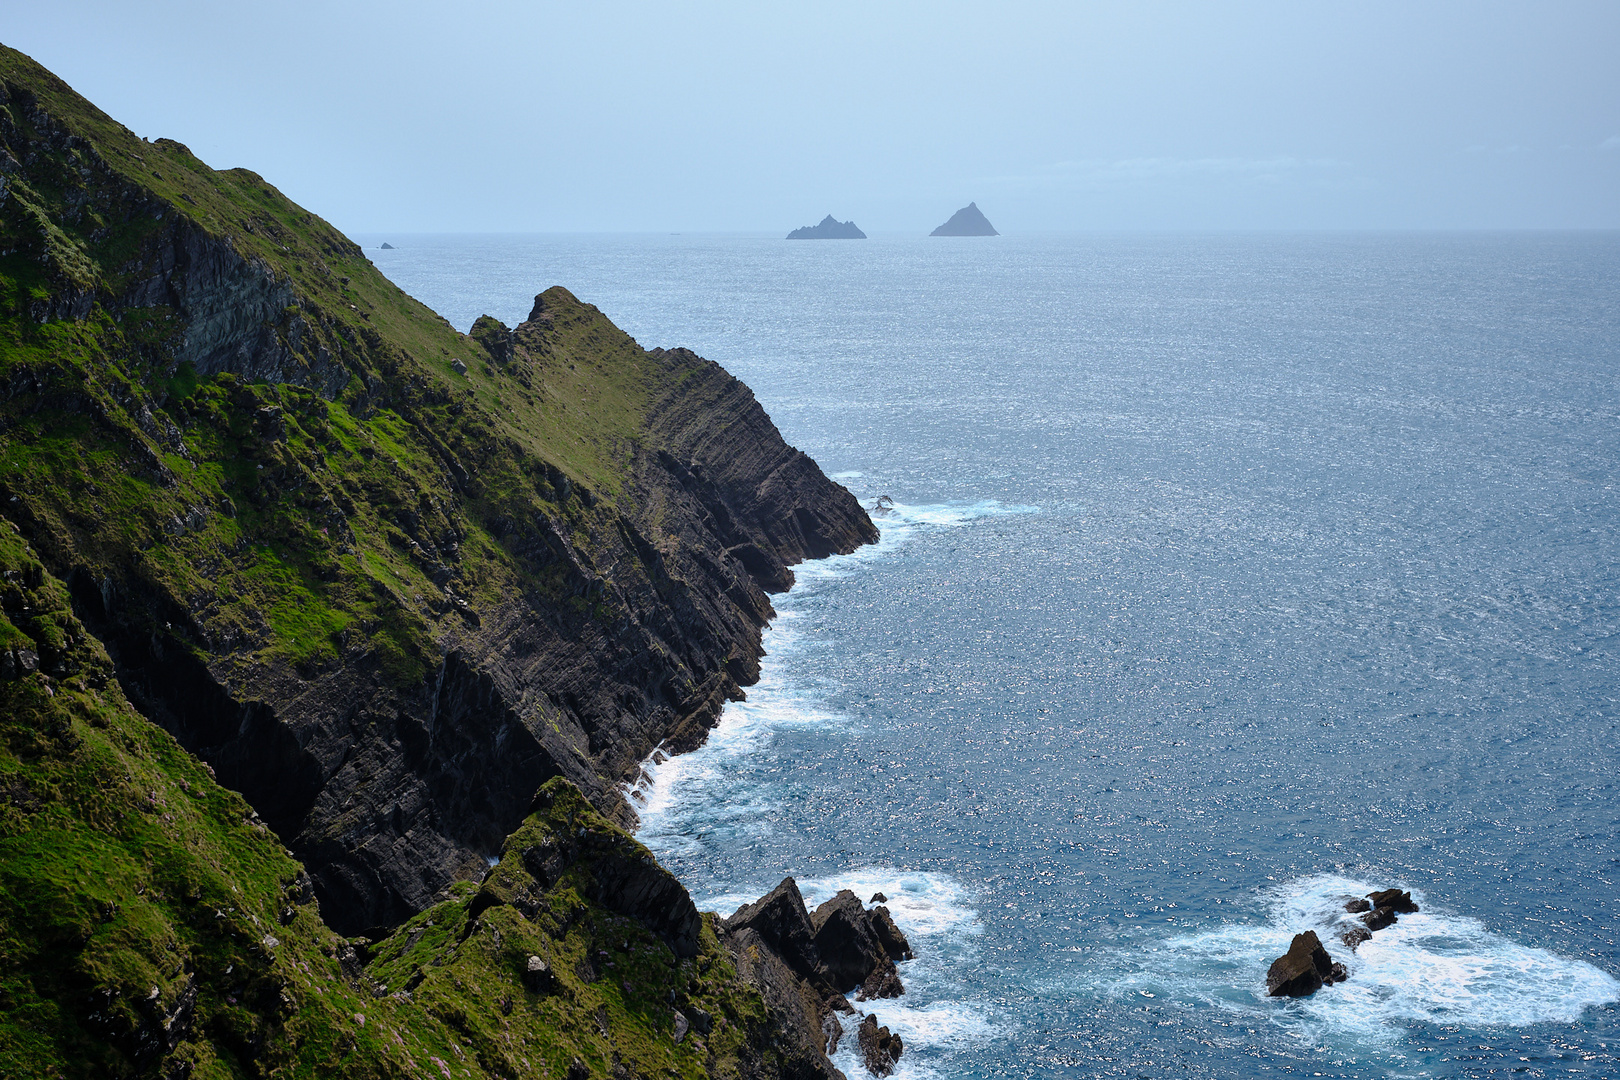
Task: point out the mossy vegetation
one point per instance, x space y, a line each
149 923
360 485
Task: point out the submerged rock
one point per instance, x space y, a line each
829 228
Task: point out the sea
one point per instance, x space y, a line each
1223 578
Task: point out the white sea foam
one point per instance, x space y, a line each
1431 967
685 801
690 803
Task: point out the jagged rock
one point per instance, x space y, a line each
1354 936
782 924
832 1031
1338 974
458 366
968 221
879 1049
578 1070
1357 906
386 246
829 229
889 935
1379 918
845 942
796 1005
537 975
1302 970
1397 900
883 982
682 1026
877 897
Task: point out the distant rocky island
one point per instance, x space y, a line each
829 229
968 221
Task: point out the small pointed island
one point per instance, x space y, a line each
829 229
968 221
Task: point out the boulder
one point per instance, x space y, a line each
877 897
1301 971
879 1048
537 975
1357 906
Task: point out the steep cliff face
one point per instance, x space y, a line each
305 595
386 579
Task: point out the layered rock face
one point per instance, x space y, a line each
386 579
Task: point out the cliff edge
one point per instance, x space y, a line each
377 579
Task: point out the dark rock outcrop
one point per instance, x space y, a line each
1397 900
879 1048
968 221
829 228
889 935
1303 970
546 609
845 941
1354 936
782 925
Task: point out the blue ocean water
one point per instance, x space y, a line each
1227 577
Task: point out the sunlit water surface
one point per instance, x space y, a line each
1228 577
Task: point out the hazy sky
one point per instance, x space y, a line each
590 115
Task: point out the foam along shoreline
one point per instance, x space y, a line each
694 805
685 801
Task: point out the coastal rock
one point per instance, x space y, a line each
889 935
387 246
829 228
845 942
783 926
1301 971
879 1048
882 982
1379 918
1354 936
1357 906
968 221
1397 900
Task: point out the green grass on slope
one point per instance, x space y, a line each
148 919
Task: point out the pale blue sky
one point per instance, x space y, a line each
505 116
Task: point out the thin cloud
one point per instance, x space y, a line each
1611 143
1137 172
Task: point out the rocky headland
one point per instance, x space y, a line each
829 228
328 635
968 221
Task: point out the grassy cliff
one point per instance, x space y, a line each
306 594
